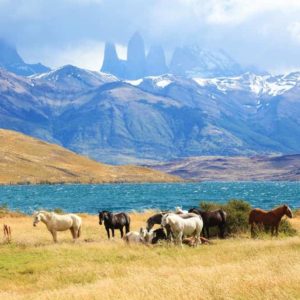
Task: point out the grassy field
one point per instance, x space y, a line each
32 267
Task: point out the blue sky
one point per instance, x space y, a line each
264 33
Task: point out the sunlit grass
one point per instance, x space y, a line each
32 267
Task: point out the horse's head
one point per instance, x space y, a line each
102 216
164 220
37 216
288 211
145 235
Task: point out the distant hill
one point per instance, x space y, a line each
221 168
24 159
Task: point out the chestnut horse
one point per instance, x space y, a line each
268 218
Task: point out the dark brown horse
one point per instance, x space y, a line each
211 219
268 218
114 221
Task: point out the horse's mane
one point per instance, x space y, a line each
279 208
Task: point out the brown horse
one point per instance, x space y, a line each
268 218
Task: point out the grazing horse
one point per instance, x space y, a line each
269 218
189 226
55 222
212 218
114 221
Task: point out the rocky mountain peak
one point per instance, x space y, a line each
156 61
136 58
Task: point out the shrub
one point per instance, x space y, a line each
58 210
237 214
3 209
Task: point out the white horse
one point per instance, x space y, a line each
55 222
135 237
190 225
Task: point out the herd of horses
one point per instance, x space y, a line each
177 226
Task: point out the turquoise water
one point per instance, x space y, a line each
126 197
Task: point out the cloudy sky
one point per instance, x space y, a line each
264 33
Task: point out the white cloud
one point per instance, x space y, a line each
238 11
294 30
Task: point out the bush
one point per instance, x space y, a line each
58 211
3 209
238 215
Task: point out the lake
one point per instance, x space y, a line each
127 197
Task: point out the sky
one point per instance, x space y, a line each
261 33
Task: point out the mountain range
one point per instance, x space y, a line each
155 118
238 168
188 61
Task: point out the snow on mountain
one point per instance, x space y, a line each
259 85
194 61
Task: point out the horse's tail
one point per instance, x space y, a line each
223 216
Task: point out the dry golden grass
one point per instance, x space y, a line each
32 267
24 159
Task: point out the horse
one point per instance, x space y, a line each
114 221
270 218
143 236
212 218
55 222
156 219
190 226
158 235
7 233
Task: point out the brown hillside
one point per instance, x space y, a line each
24 159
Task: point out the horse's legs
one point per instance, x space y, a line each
221 231
207 231
272 230
252 230
277 226
179 239
54 235
122 233
113 232
108 234
73 233
127 228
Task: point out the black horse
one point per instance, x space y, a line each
114 221
158 235
210 219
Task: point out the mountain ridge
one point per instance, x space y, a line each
25 160
156 118
221 168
